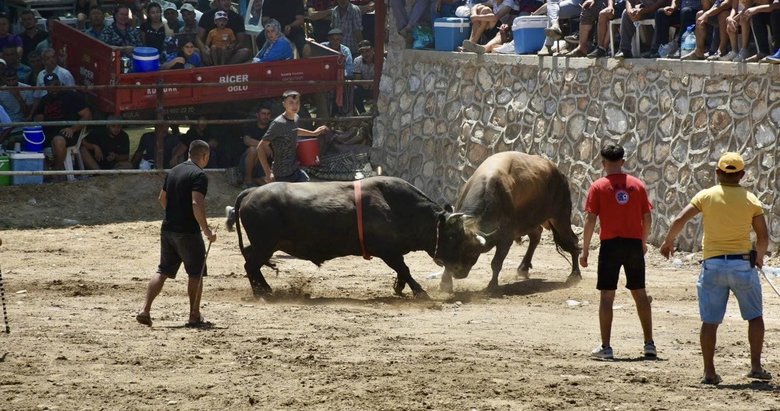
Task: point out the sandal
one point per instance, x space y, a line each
712 381
144 319
201 324
762 375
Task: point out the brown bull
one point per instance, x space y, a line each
509 196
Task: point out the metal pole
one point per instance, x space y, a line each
159 156
2 297
380 13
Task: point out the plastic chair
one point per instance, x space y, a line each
74 151
635 50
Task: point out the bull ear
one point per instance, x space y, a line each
481 240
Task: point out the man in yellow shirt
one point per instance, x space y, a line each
730 211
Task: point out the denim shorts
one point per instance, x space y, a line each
717 278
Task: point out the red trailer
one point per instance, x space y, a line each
92 62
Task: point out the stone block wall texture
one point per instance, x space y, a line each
442 114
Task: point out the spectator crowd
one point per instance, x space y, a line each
717 30
186 35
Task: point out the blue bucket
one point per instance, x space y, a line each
33 139
146 59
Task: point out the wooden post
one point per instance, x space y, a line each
380 13
159 156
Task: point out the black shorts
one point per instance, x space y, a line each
621 252
177 248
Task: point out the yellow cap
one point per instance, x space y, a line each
731 163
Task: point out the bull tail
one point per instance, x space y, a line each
232 214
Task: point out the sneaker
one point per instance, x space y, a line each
623 54
743 54
573 38
601 352
755 58
471 47
692 56
774 58
650 350
598 53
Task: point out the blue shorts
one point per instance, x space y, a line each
718 277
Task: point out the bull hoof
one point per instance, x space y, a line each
421 295
261 292
445 287
398 287
523 274
574 278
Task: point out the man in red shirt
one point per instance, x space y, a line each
620 203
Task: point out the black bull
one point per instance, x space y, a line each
318 222
511 195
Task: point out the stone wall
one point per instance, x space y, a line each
442 114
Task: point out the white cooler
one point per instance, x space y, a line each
528 33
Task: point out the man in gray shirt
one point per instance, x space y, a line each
280 143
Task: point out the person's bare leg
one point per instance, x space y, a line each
58 148
251 160
708 339
493 43
584 38
756 340
744 25
605 316
644 310
194 291
603 28
89 160
152 291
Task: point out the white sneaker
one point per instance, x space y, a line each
730 56
650 349
604 353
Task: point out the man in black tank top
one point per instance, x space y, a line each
183 198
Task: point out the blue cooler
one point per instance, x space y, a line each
449 32
146 59
528 32
26 161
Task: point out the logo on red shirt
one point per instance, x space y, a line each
622 197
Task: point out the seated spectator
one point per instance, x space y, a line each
487 18
189 17
256 14
335 36
97 22
17 103
601 13
199 131
11 57
680 12
121 33
739 23
171 16
61 106
249 166
557 10
235 22
4 131
6 37
154 30
221 40
405 21
276 46
107 149
147 147
635 11
46 43
35 61
319 12
364 70
50 66
186 58
82 9
291 19
31 35
347 17
763 16
715 15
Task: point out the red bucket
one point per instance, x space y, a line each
309 152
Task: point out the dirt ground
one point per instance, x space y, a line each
76 259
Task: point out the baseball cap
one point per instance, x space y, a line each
49 78
220 15
731 163
188 7
290 93
3 62
364 44
169 6
335 31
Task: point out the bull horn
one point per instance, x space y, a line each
455 215
482 240
486 235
